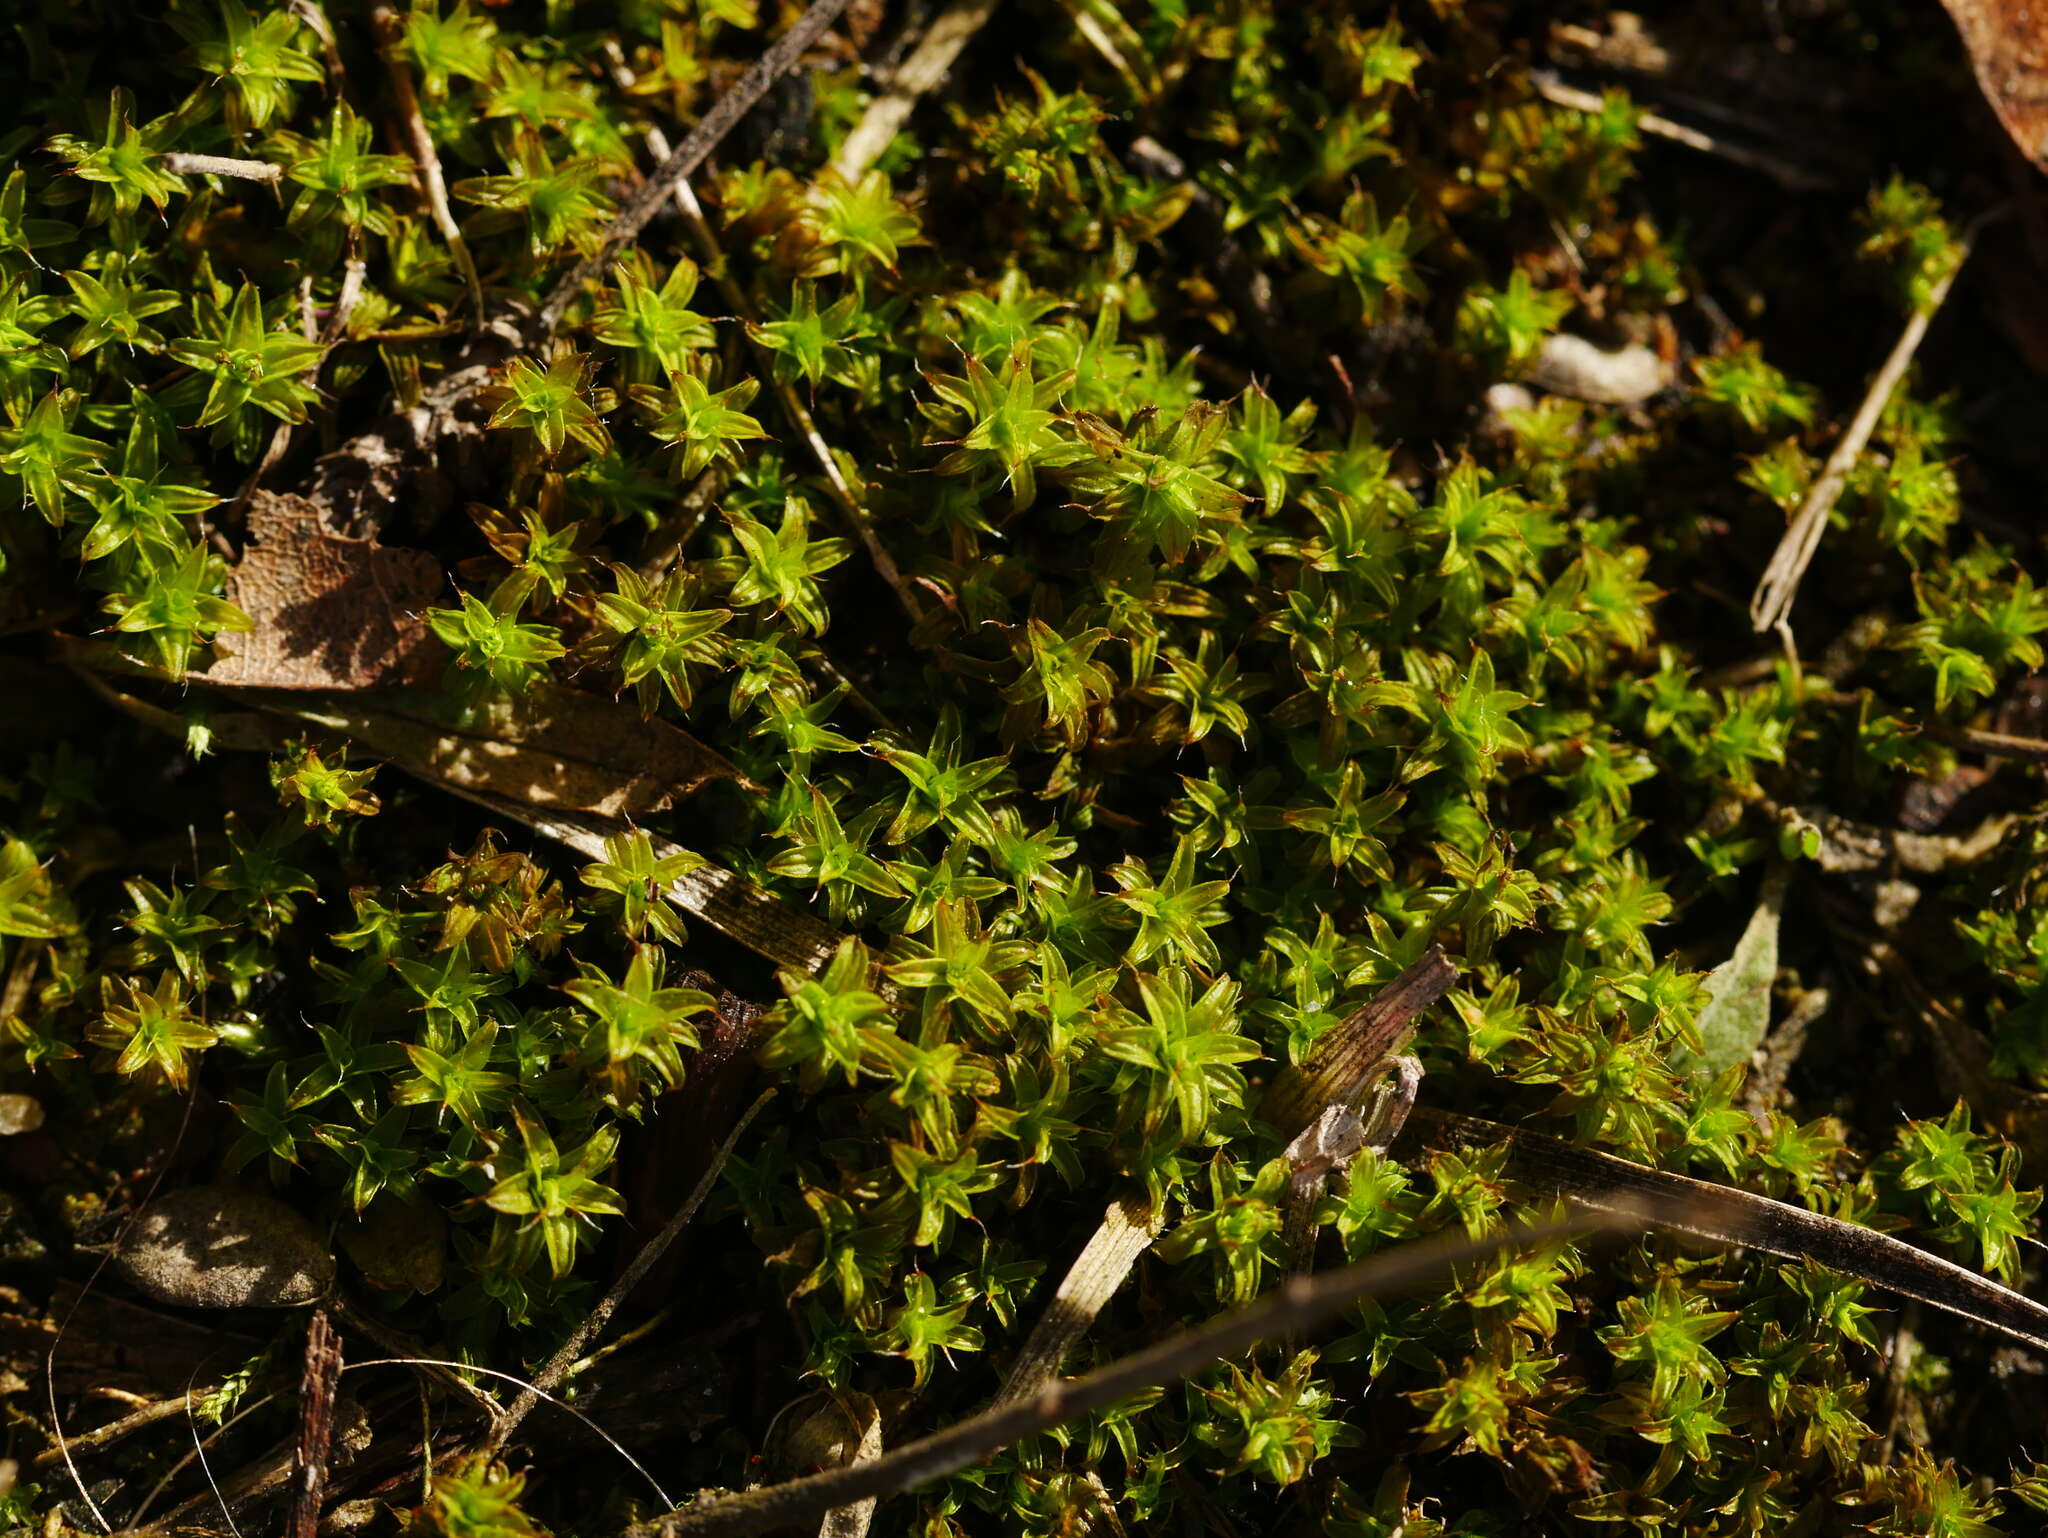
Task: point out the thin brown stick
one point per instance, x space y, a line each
106 1436
725 113
571 1350
1771 605
793 408
918 74
1299 1304
390 29
2000 745
221 165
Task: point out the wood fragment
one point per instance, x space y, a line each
724 115
1344 1061
1771 605
918 75
1352 1055
855 1518
317 1385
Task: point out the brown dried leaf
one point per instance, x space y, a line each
2007 41
551 747
330 613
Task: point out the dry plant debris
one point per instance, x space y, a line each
736 726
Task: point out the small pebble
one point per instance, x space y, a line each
209 1247
19 1113
1622 376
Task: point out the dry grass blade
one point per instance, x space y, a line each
1771 605
1126 1232
1300 1304
727 901
505 1377
918 74
571 1350
1788 174
1731 1216
702 140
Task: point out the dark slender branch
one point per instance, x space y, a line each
2000 745
572 1349
1300 1304
690 154
1730 1215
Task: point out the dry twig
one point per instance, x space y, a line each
1787 174
571 1350
1298 1304
1771 605
221 165
390 29
725 113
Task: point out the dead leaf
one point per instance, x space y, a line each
2007 41
330 613
551 746
1738 1013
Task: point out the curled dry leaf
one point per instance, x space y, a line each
330 613
210 1247
2007 41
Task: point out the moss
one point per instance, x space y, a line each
1141 611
